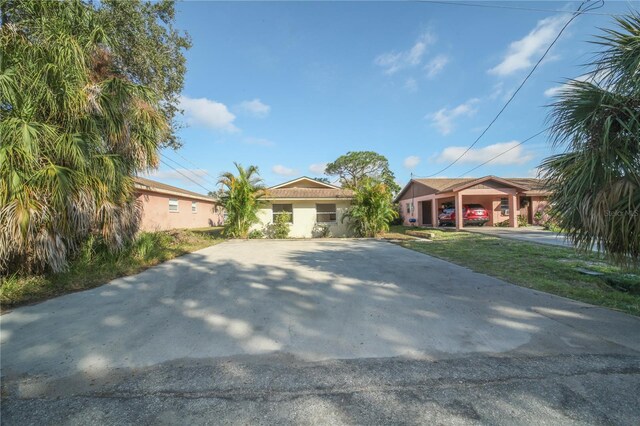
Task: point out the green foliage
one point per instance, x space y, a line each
372 209
280 227
354 167
241 200
94 264
502 224
256 234
595 183
523 221
321 231
74 130
149 50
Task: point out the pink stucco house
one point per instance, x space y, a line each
505 199
168 207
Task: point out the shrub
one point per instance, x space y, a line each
256 234
523 221
280 227
503 224
321 231
372 209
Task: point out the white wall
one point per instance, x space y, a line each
304 218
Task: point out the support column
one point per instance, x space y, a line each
513 211
459 212
434 213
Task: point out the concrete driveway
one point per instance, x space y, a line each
530 234
317 332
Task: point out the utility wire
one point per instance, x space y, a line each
186 169
577 13
187 177
194 165
497 6
503 152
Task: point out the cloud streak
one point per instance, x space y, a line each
521 52
444 119
516 155
283 171
255 108
208 113
395 61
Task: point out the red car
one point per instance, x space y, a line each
474 214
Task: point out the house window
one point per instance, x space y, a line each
173 205
325 213
194 207
504 206
279 209
409 207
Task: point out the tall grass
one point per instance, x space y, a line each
94 264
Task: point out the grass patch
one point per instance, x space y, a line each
552 269
94 266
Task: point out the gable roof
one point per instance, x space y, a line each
307 188
296 183
163 188
441 185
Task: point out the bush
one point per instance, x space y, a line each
321 231
372 209
280 227
256 234
523 221
503 224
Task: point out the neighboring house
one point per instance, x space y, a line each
313 205
167 207
504 198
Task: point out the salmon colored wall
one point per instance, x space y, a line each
157 217
538 204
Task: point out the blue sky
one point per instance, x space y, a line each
290 86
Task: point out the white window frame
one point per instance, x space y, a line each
504 211
194 207
274 213
334 212
176 204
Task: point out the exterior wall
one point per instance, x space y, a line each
304 217
157 217
538 204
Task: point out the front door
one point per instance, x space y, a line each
426 213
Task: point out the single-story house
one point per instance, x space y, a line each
421 200
313 205
168 207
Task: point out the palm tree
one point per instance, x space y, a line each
73 133
241 200
596 182
372 209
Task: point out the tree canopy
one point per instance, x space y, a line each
75 128
241 199
354 166
595 183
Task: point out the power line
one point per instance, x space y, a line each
187 177
194 165
186 169
497 6
504 152
513 95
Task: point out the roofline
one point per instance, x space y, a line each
483 179
178 192
301 178
307 199
406 188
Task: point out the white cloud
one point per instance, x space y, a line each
435 65
255 107
521 52
197 175
595 78
283 171
411 162
258 141
411 85
393 62
444 118
516 155
209 113
318 168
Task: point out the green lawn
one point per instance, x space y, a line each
542 267
94 267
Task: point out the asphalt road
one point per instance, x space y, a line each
317 332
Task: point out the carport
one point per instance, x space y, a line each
505 199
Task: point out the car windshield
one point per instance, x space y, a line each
448 210
475 206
